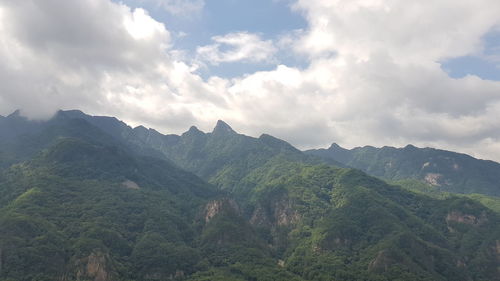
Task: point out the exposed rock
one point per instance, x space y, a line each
215 207
222 128
280 213
260 217
433 179
281 263
284 214
342 242
130 184
95 267
461 264
459 217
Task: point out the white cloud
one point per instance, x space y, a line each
179 7
141 26
238 47
409 31
373 75
98 56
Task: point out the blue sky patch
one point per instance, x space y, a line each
485 66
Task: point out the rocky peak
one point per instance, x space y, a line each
335 146
141 129
410 147
222 128
15 114
193 130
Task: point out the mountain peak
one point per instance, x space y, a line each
335 146
15 114
222 127
193 130
71 113
410 147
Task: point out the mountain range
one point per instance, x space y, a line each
89 198
444 170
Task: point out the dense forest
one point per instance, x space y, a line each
90 198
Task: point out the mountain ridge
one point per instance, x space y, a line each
115 203
445 170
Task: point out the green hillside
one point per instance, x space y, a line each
82 202
445 170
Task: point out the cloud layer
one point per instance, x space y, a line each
373 74
241 47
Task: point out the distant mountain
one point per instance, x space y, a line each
445 170
222 157
90 198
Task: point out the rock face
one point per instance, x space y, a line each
260 217
130 184
433 179
95 267
279 213
215 207
284 214
459 217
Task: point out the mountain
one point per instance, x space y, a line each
222 157
340 224
86 207
90 198
444 170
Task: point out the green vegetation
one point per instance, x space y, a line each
445 170
492 202
92 199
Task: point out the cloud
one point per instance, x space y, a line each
178 7
374 78
372 75
237 47
98 56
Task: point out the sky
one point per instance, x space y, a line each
312 72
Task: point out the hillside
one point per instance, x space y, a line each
80 200
222 157
81 209
445 170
